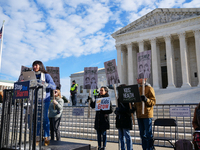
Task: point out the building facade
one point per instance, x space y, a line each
83 94
4 84
173 36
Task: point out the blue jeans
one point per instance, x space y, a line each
46 124
103 133
145 127
125 133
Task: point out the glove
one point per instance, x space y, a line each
143 98
198 128
116 111
132 110
89 98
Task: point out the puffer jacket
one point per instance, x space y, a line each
102 117
151 101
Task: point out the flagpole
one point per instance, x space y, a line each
1 43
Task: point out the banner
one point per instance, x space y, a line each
102 104
78 112
90 77
21 90
180 112
129 94
111 72
55 74
144 64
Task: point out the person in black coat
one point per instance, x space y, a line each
101 119
124 123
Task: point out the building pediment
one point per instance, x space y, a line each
159 16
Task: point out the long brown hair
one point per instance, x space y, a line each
42 69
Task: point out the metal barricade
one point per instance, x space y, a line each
19 120
82 127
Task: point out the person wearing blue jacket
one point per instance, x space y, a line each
43 76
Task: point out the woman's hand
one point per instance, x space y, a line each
55 102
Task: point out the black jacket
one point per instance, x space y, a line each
102 117
123 116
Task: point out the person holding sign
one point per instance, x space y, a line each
124 123
145 120
55 113
41 74
102 118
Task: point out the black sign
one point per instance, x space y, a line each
129 94
21 90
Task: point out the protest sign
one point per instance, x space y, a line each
180 112
111 72
90 77
23 69
102 104
55 74
78 112
144 64
128 94
21 90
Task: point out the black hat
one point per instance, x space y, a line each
74 81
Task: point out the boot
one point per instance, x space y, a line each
46 141
37 140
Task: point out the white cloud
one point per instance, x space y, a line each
65 87
192 4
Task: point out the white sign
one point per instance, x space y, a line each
180 112
90 77
78 112
102 103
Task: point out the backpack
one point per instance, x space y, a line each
196 140
183 144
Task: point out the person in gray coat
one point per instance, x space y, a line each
55 113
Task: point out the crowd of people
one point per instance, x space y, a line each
52 113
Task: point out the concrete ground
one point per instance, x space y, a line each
109 145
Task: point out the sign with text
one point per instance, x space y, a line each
102 103
111 72
23 69
128 94
180 112
55 74
144 64
21 90
90 77
78 112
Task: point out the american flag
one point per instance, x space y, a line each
1 32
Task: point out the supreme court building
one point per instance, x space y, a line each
173 36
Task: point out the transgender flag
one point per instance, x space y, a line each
1 32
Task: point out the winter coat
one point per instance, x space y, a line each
57 112
195 123
123 116
151 101
102 116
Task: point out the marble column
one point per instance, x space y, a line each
135 73
130 63
119 61
141 46
169 55
154 64
184 61
197 47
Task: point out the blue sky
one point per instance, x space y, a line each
70 34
